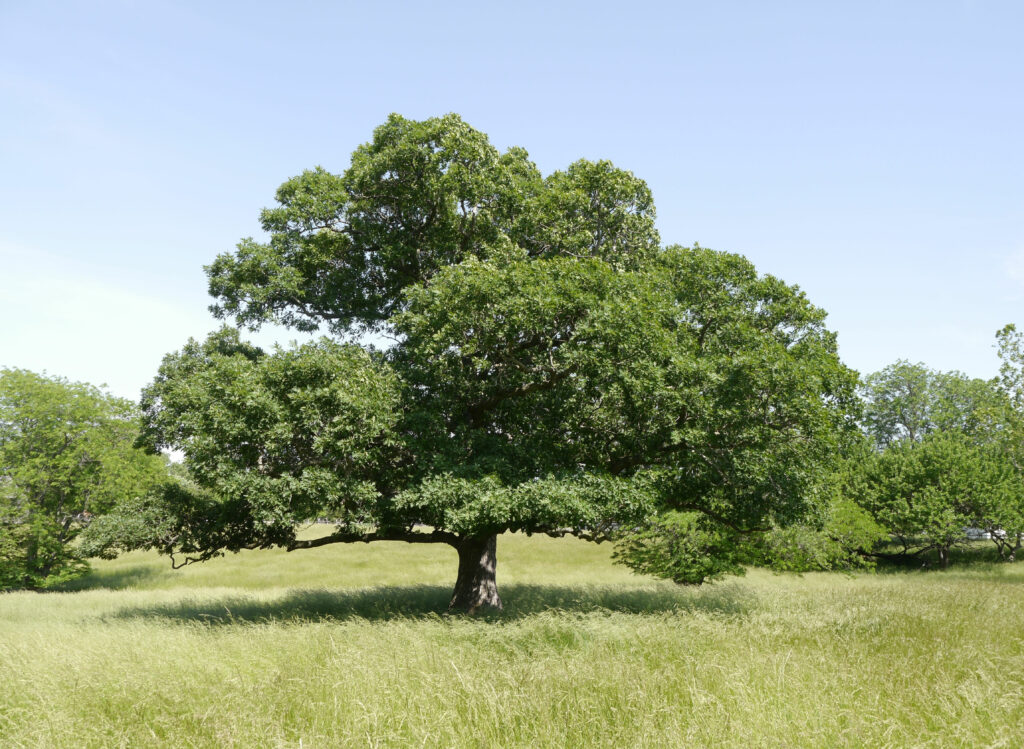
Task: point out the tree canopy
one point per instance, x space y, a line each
554 368
909 401
927 493
421 196
66 453
939 460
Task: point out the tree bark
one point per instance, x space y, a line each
475 588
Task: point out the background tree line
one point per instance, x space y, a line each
941 454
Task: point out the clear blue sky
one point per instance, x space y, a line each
871 152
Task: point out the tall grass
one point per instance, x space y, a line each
350 646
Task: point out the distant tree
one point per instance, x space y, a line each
1006 519
909 401
926 493
1010 345
66 454
942 461
554 370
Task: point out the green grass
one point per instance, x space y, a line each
349 645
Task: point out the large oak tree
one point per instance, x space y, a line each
554 369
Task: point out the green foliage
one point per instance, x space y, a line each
909 401
590 210
554 370
945 460
1009 441
272 440
689 548
66 454
587 505
1010 344
537 366
1010 435
926 493
420 197
685 547
175 516
841 540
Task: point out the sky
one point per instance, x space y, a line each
870 152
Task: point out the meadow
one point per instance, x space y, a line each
350 646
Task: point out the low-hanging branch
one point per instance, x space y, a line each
411 537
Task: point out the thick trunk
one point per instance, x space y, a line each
944 557
475 588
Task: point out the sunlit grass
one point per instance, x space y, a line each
349 645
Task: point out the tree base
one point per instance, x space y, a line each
476 589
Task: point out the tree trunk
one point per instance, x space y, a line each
944 556
475 588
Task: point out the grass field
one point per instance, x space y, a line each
349 645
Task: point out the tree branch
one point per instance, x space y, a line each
721 519
596 536
411 537
478 409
